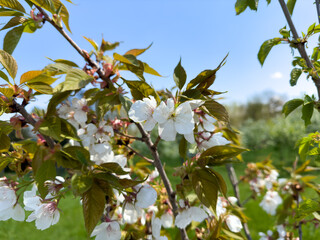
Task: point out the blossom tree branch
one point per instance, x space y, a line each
84 54
233 179
139 154
158 164
29 119
300 45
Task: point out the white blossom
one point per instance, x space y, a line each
131 213
234 223
207 123
233 200
45 215
264 236
156 228
173 120
107 230
282 232
216 139
80 110
167 220
146 196
220 208
188 215
142 111
9 208
271 201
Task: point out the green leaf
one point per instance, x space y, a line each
14 4
12 39
290 5
41 87
253 4
56 99
217 110
316 54
4 77
67 62
68 131
107 46
295 74
9 63
307 111
126 102
47 171
4 12
266 48
150 70
140 89
78 153
206 186
112 167
13 22
4 162
93 202
232 235
46 4
137 52
92 42
5 127
57 68
291 105
8 92
241 5
222 184
219 155
183 148
4 143
38 159
27 76
121 58
284 32
179 75
306 208
51 126
81 183
75 79
63 13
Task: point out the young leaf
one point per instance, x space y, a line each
307 111
240 6
41 87
9 63
179 75
107 46
290 5
68 131
150 70
4 143
63 13
291 105
4 12
81 183
46 4
27 76
92 42
14 4
140 89
12 38
55 101
13 22
137 52
75 79
183 148
295 74
4 77
266 48
217 110
306 208
93 203
51 127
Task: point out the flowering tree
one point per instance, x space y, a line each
90 128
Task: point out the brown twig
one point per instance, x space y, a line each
234 182
127 136
139 154
19 108
86 57
158 164
300 46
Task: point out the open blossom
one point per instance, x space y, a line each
264 236
210 140
142 111
234 223
271 201
156 228
131 213
188 215
9 208
173 120
146 196
45 215
107 230
167 219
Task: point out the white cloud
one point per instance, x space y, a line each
276 75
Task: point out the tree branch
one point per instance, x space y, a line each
139 154
86 57
19 108
318 9
233 179
158 164
300 46
127 136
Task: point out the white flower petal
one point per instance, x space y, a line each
167 131
18 213
146 196
149 124
162 113
234 223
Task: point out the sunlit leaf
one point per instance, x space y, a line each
266 48
14 4
12 38
137 52
179 75
9 63
47 171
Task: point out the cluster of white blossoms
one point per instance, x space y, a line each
189 214
9 207
264 181
45 212
172 119
270 202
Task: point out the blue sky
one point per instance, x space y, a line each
200 32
